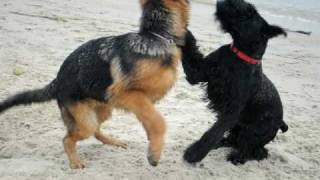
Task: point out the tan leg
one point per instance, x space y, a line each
152 121
84 125
69 143
109 140
103 112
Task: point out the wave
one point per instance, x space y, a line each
291 17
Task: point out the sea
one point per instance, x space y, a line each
294 14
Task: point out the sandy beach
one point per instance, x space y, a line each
37 35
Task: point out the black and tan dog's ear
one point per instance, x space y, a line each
274 31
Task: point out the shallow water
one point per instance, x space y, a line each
295 14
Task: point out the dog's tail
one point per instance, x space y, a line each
284 127
27 97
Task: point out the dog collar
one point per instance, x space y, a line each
169 41
244 56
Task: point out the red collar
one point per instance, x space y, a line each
244 57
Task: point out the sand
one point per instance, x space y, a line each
36 36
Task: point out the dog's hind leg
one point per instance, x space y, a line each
138 103
69 140
103 112
250 145
246 152
82 123
109 140
69 143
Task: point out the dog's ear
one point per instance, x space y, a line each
274 31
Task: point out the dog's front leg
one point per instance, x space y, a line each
193 60
198 150
152 121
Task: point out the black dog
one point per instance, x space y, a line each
247 104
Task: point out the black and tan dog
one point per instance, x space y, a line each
130 72
247 104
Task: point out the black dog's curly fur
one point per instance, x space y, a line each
247 103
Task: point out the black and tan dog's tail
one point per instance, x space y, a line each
28 97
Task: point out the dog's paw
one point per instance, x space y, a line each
122 144
236 158
195 153
77 165
189 38
153 158
260 154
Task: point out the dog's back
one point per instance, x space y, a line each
96 65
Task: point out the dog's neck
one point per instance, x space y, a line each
244 56
169 41
255 51
158 22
